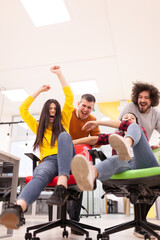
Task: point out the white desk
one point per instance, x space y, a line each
7 157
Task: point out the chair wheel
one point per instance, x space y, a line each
99 236
147 236
88 238
106 237
28 236
65 234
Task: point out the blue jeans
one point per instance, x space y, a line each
143 156
51 166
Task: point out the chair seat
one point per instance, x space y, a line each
53 183
137 173
80 149
146 181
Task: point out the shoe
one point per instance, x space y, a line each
82 172
122 148
75 232
141 233
12 217
59 196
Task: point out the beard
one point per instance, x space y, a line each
143 110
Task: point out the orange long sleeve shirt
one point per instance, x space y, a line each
76 124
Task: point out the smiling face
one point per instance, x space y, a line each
85 108
129 117
144 102
52 111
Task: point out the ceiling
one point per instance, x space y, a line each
114 42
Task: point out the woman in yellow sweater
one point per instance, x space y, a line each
56 152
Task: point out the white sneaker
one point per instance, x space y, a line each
82 172
122 148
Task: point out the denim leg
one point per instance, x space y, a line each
111 166
42 175
66 152
143 155
74 209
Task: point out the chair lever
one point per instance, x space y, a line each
73 198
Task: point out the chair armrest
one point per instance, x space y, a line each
96 154
34 158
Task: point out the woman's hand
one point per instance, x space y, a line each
90 125
44 88
74 142
55 69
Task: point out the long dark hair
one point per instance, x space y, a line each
44 121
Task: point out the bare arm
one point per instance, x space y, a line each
86 140
44 88
109 123
57 71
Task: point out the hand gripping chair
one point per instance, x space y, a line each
142 187
63 222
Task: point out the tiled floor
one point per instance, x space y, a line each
105 221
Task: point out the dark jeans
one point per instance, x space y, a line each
74 209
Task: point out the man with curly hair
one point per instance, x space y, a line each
145 98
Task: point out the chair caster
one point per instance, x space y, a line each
106 237
65 234
28 236
99 236
88 238
147 236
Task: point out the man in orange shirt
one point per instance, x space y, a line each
80 116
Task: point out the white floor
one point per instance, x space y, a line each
105 221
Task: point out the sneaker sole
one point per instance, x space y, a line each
80 171
142 236
138 235
10 221
117 143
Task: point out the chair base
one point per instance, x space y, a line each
63 223
137 223
144 224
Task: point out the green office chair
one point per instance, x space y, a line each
142 187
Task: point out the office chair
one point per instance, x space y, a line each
142 187
63 222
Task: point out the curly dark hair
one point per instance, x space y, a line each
139 87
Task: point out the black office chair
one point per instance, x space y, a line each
142 187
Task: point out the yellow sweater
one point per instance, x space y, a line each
45 147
